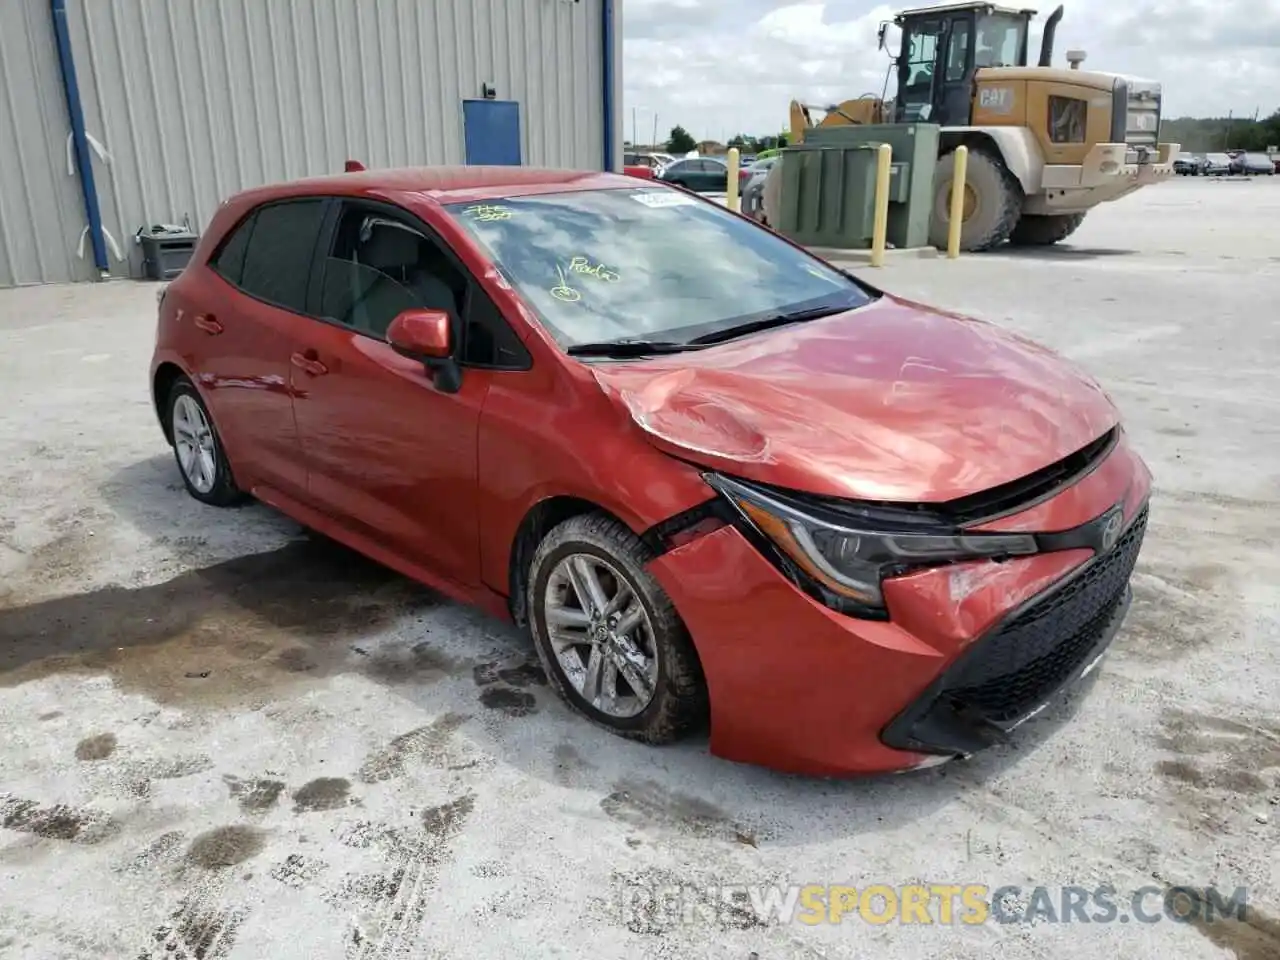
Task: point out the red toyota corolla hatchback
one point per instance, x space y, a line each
719 479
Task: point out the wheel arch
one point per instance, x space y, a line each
539 520
163 378
1016 147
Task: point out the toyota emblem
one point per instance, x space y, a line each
1111 528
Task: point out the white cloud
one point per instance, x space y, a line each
719 67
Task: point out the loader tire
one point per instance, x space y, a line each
993 202
1040 230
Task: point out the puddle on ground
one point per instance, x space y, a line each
231 631
225 847
325 793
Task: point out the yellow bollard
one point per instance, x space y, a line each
733 201
884 161
957 202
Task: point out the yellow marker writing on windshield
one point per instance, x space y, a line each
584 265
562 290
488 212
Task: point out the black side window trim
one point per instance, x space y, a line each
324 247
327 203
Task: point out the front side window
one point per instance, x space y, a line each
379 267
922 53
1001 40
646 263
958 51
916 81
277 262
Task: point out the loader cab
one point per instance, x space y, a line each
943 47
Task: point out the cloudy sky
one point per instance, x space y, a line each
723 66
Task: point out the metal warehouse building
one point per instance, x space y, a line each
168 106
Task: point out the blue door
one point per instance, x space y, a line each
492 131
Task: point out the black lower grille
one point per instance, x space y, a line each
1010 671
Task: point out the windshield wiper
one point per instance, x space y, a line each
627 348
765 323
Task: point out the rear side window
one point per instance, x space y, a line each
228 262
277 264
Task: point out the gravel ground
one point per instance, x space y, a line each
224 740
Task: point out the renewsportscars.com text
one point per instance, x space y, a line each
941 904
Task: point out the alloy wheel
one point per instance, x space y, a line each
193 439
601 635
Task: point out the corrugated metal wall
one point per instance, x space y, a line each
41 213
195 99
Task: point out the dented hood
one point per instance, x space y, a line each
893 401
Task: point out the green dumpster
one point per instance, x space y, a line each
827 196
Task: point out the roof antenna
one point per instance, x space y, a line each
353 166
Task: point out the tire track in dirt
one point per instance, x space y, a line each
391 907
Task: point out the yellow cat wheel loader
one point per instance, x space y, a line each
1046 144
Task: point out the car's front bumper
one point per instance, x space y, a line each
797 687
1015 670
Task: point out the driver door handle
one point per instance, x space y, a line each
208 323
308 364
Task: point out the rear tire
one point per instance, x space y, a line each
1041 230
197 447
996 208
669 698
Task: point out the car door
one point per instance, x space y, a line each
252 318
676 172
716 176
696 174
389 455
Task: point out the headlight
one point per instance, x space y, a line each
849 560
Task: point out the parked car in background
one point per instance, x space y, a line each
701 174
640 165
662 158
1237 160
1256 164
753 187
722 483
1216 165
1189 165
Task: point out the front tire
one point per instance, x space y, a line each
993 202
203 464
609 637
1040 230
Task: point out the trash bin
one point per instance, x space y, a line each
828 195
165 250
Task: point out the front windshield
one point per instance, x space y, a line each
650 263
1000 41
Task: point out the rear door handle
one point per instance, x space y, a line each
308 365
208 323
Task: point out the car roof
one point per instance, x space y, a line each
444 184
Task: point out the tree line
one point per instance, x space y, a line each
1218 134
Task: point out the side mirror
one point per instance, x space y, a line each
426 335
421 334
